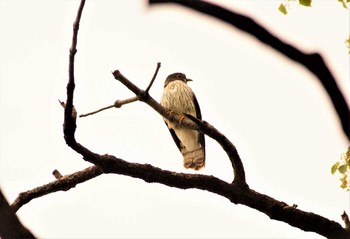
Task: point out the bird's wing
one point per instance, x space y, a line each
201 139
175 138
199 116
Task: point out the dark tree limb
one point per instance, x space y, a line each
63 183
203 126
237 192
313 62
69 122
10 226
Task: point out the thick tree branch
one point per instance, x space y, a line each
203 126
313 62
10 226
69 122
238 192
64 183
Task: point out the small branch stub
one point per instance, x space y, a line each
346 220
57 174
74 111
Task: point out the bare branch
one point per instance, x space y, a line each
202 126
117 104
94 112
10 226
120 103
313 62
69 122
237 192
62 184
153 78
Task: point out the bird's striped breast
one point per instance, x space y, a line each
178 97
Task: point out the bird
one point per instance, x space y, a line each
178 97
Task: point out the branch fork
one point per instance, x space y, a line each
237 192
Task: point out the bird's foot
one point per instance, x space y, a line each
170 112
181 118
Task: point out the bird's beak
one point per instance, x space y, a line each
187 80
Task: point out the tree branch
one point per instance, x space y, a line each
238 193
313 62
63 183
203 126
10 226
69 122
117 104
153 78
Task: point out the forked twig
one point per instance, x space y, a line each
153 78
120 103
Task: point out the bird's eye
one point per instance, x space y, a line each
179 76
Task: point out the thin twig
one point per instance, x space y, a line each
117 104
153 78
202 126
234 192
94 112
120 103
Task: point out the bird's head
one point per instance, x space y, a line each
176 76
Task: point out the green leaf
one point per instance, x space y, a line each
335 167
342 169
347 154
282 8
306 3
344 182
344 3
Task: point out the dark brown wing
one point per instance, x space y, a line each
175 138
199 116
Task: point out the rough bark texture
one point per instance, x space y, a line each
238 192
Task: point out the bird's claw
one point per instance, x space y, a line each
171 112
181 118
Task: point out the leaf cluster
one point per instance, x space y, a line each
284 7
343 167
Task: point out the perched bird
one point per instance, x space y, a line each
179 98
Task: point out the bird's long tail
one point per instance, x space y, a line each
194 159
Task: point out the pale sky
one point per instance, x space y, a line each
273 110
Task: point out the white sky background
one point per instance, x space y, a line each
274 111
